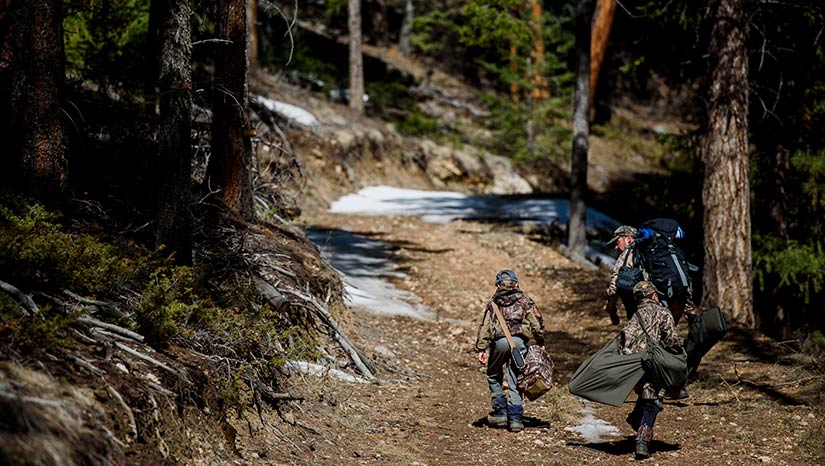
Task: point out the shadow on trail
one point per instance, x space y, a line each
626 446
529 423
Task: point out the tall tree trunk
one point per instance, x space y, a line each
38 83
229 168
406 30
514 90
727 278
174 138
356 59
157 11
539 90
577 232
602 22
378 12
252 22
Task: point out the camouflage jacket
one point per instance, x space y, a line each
521 314
658 321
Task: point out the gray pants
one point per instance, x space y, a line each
498 364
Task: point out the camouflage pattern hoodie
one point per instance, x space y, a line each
658 321
521 314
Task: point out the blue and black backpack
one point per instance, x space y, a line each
662 259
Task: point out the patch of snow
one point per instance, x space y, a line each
290 112
364 265
446 206
310 368
592 429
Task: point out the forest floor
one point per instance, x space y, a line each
755 401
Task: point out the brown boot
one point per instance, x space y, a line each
643 439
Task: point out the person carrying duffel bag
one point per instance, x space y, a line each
645 356
652 332
511 324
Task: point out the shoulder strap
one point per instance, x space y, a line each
503 323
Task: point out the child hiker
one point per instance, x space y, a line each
526 327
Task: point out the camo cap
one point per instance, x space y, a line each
623 230
644 289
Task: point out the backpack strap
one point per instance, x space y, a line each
503 323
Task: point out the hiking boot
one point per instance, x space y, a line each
643 439
614 318
642 450
497 418
515 413
680 394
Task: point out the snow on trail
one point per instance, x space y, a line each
446 206
364 264
592 429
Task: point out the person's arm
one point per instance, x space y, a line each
484 336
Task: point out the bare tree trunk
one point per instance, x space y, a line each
38 85
356 64
577 232
727 278
230 163
378 12
156 14
252 22
602 22
539 90
174 138
406 30
514 90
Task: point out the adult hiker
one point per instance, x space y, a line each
653 322
526 327
627 262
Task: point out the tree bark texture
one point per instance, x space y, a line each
174 138
356 59
539 90
576 230
252 21
727 278
602 22
37 88
404 46
230 164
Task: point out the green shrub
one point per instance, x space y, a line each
39 254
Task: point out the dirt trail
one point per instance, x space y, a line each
755 402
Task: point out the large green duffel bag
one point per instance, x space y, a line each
607 376
708 328
667 367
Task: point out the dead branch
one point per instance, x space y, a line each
111 327
330 321
26 301
159 389
180 374
738 401
86 365
797 381
129 414
103 307
272 295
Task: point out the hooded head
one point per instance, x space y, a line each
506 279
